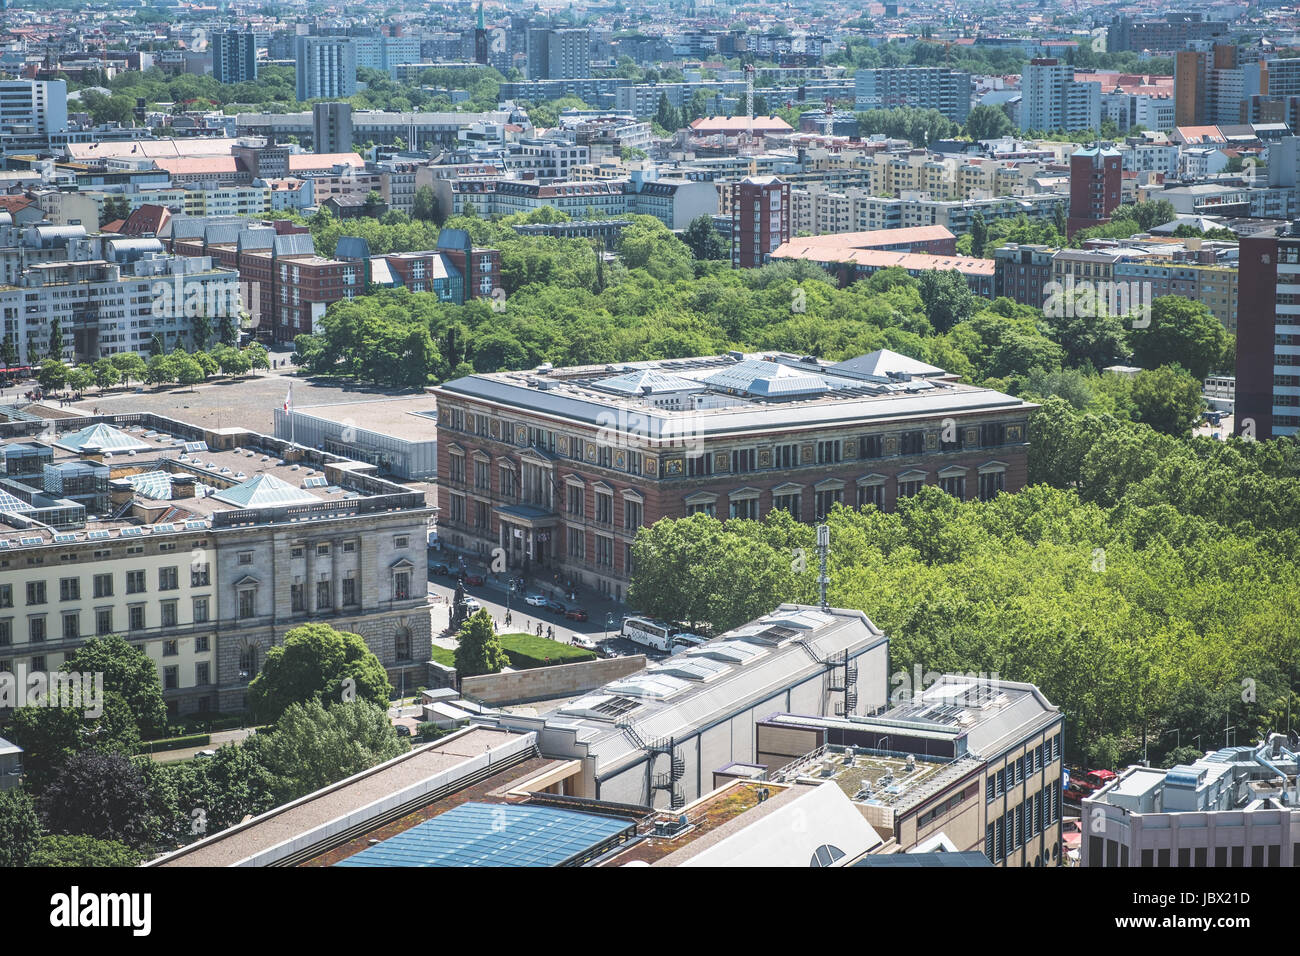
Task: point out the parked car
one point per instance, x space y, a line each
555 607
471 605
439 569
582 642
402 730
205 755
536 600
576 614
452 571
473 580
1072 833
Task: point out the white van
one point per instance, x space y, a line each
649 633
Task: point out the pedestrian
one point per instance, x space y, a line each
539 628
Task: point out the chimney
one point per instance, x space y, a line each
120 492
183 486
92 453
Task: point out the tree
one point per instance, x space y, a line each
1180 332
229 333
1168 399
425 204
947 298
130 366
988 122
53 375
200 331
112 209
1149 214
313 746
209 365
56 339
232 361
318 663
258 356
478 650
161 370
156 346
186 369
20 828
129 671
84 852
105 373
703 240
979 234
666 116
1087 337
119 811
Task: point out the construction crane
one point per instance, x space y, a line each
749 104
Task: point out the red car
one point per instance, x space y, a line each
576 614
474 580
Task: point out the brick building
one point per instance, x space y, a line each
560 467
1095 176
760 219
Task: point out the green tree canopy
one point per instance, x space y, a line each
318 663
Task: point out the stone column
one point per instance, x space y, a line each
336 577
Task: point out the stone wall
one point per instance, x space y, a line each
544 683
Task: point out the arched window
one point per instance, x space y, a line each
825 855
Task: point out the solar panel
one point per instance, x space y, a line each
5 543
486 834
195 525
64 538
164 529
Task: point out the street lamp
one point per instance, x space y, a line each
609 624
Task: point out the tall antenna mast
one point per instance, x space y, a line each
823 557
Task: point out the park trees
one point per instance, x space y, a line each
1180 332
478 650
316 662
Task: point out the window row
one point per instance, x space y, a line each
104 585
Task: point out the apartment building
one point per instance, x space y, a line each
234 56
110 295
1268 337
561 467
970 758
675 202
1174 31
1235 807
1021 272
325 67
818 211
32 111
918 87
189 543
1095 175
559 54
760 220
1053 99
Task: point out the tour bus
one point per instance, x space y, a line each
652 634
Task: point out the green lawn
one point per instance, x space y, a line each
444 656
529 650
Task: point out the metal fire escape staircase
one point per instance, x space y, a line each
658 780
840 677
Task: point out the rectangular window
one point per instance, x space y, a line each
605 509
786 456
134 582
349 592
171 678
6 633
202 674
323 599
104 621
167 579
168 613
35 592
71 627
871 495
745 508
955 486
604 551
36 630
402 585
171 648
699 465
246 604
828 452
201 611
201 644
911 443
245 557
69 589
991 485
200 576
297 597
993 434
631 514
908 488
135 617
871 446
744 459
103 585
791 503
826 500
6 595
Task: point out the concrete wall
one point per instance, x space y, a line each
541 683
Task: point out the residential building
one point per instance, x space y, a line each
1175 31
561 467
331 125
325 67
1268 337
1052 98
234 56
918 87
760 219
559 54
32 112
188 542
11 764
1095 175
1021 272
